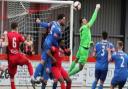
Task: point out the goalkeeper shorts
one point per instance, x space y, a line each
82 54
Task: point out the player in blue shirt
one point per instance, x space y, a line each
101 54
121 67
43 68
53 24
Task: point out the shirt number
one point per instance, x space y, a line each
14 42
122 63
103 51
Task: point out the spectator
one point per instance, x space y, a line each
28 49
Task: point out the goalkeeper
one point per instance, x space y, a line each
85 40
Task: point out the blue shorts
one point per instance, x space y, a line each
47 60
100 74
116 81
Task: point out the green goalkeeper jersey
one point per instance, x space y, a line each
85 32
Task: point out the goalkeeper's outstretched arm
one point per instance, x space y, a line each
94 16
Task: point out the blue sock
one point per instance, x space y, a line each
54 85
100 86
38 70
94 85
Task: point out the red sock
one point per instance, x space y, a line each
68 85
63 85
13 85
30 69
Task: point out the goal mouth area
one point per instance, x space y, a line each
25 13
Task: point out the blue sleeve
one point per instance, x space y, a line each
113 56
127 59
111 46
44 24
96 46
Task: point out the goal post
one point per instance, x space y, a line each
22 15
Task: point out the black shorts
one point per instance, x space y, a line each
100 74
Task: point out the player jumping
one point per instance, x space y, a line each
52 39
101 55
16 58
58 71
121 67
85 40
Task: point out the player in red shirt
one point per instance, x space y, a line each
58 71
16 58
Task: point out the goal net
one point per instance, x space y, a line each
25 12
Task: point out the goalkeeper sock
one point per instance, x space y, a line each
94 85
75 70
72 66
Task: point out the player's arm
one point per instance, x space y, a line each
49 53
94 16
42 24
112 47
113 56
67 51
94 52
109 54
110 50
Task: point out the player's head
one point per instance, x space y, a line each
83 21
61 42
14 26
61 19
104 35
119 45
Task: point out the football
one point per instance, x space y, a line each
77 5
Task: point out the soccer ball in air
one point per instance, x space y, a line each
77 5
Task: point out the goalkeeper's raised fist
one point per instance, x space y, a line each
97 6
